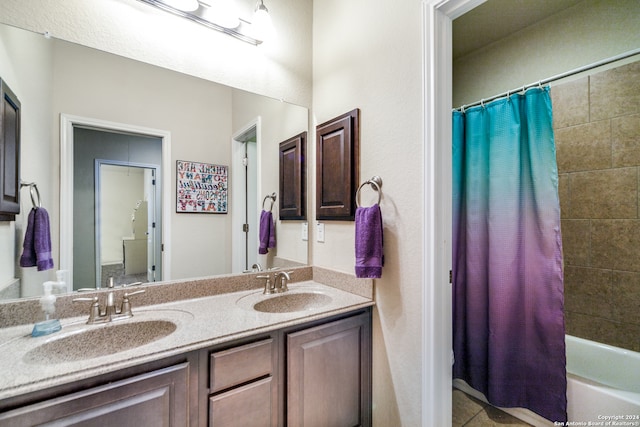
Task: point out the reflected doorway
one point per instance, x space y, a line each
103 246
245 214
126 230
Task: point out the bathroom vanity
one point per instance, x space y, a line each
213 361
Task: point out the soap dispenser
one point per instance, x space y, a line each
48 303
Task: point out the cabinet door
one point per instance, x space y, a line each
158 398
9 153
329 374
249 405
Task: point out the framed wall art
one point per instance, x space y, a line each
201 187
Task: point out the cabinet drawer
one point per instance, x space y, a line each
238 365
250 405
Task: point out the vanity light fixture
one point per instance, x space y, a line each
183 5
262 25
221 15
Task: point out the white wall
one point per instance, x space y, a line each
121 188
588 32
27 74
281 69
279 122
368 55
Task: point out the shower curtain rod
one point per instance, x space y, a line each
524 88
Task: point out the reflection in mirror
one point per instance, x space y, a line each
125 223
55 78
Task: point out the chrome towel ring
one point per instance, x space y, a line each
34 193
271 196
375 183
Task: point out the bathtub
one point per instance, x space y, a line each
603 387
603 383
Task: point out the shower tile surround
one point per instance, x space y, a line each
597 132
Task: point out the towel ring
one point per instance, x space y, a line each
34 196
271 196
376 184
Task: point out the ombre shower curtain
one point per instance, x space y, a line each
508 321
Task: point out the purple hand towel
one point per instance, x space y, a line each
369 256
37 241
267 232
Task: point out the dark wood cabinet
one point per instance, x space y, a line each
314 374
329 374
9 153
158 398
244 385
293 197
337 167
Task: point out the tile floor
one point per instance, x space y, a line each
470 412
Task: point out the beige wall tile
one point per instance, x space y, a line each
626 297
627 336
591 327
614 244
588 291
564 195
615 92
609 193
576 242
625 140
570 103
584 147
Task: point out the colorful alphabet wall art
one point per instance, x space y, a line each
201 187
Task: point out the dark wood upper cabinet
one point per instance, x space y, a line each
293 196
337 167
9 154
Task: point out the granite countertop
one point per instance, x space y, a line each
199 323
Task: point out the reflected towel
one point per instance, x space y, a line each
369 255
267 232
37 241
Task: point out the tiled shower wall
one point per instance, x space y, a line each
597 132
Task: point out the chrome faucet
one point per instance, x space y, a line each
110 312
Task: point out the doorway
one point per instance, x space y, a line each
245 214
73 212
126 222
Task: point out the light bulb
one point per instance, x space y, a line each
262 25
223 13
183 5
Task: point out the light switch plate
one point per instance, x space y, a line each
320 232
305 231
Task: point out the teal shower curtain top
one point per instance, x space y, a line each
508 316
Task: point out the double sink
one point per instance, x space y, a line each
79 341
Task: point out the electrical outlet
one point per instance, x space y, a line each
320 229
305 231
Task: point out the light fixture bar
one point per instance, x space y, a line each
195 16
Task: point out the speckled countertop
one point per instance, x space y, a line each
171 328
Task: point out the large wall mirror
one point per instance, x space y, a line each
200 121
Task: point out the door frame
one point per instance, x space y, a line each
98 210
437 327
67 123
237 186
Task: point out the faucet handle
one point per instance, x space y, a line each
94 310
268 288
125 309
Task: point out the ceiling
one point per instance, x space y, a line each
496 19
